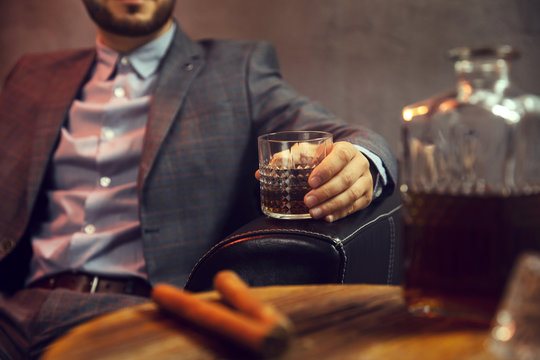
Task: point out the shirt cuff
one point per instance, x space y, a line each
382 179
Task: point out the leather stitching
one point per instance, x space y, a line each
282 230
392 250
344 267
371 222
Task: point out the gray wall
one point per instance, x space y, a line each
363 59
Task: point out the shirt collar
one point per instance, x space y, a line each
144 60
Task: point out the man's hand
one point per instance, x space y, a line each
341 184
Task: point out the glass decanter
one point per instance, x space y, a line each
470 185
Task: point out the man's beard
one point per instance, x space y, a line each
129 27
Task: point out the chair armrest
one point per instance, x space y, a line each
364 247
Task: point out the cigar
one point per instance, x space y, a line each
262 338
238 295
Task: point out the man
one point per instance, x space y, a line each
122 165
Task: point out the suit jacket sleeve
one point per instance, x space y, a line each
276 106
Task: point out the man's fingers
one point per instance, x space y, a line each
343 180
361 203
356 197
349 188
340 155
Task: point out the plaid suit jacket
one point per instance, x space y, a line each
196 180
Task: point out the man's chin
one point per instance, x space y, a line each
138 23
130 17
132 28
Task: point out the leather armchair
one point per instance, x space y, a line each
364 247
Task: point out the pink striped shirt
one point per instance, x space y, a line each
92 222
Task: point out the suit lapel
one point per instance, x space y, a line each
180 66
52 114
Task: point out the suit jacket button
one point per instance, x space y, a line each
188 67
7 245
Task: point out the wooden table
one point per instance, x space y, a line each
331 322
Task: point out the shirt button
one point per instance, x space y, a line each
89 229
119 92
105 181
124 60
108 134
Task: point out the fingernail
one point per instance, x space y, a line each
315 182
329 218
315 213
310 201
